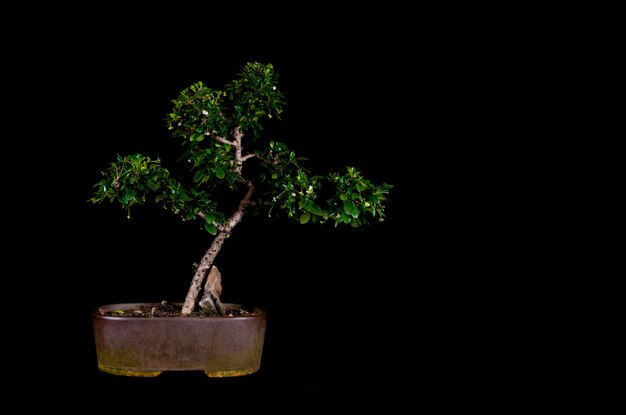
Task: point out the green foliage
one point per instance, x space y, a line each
290 187
129 180
355 198
211 125
346 199
200 112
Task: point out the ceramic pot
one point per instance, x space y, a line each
147 346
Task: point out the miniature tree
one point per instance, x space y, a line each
211 125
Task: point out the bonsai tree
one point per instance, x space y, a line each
220 133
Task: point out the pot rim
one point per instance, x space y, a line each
258 312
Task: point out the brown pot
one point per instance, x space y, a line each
141 346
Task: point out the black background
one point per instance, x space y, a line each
409 99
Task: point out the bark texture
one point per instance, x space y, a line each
223 229
203 267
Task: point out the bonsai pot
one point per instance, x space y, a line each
147 346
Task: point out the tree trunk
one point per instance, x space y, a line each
214 249
203 267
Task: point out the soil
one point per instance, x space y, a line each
166 309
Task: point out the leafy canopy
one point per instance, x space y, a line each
211 125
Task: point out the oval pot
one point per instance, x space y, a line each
142 346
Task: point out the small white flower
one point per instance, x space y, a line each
293 194
180 123
205 112
274 88
188 160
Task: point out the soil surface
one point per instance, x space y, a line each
166 309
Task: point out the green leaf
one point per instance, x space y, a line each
343 196
304 218
355 212
210 228
315 209
350 208
198 176
219 172
345 218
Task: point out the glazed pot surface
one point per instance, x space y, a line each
147 346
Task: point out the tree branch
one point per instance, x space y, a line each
248 156
225 141
243 204
247 199
237 134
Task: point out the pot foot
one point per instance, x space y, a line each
121 372
228 373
